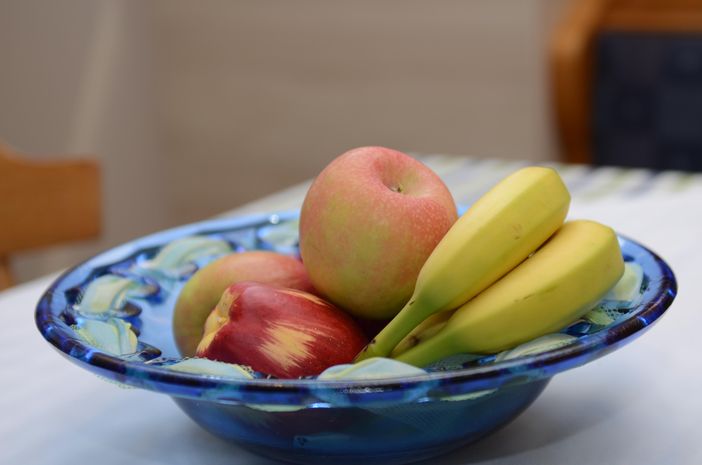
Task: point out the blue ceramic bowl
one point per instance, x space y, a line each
392 420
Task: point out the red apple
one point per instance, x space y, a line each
279 331
368 223
204 289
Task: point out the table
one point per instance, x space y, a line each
640 404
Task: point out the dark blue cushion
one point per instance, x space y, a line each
647 107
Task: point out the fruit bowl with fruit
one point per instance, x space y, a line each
374 325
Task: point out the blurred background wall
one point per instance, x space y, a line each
195 108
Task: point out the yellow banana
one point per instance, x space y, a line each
549 290
498 232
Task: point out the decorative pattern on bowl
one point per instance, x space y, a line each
112 315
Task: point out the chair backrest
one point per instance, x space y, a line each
627 83
44 203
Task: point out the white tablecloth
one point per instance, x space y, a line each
641 404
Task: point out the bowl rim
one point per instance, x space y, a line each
471 379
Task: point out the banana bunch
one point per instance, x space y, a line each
508 271
550 289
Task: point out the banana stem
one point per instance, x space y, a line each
433 349
426 329
406 320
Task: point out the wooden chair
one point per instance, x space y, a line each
573 57
44 203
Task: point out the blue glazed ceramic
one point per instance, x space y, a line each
112 316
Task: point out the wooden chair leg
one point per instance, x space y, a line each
5 274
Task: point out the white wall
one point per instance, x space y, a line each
259 94
76 79
195 108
